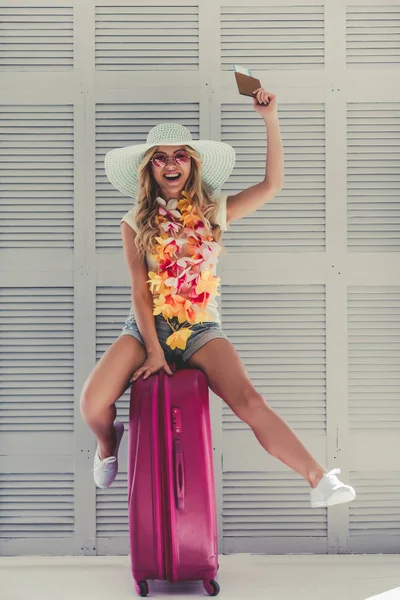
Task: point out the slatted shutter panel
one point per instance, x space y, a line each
120 125
374 415
373 227
37 38
374 357
272 37
373 183
37 414
372 36
375 513
112 529
37 506
279 332
269 512
148 37
37 345
294 221
37 176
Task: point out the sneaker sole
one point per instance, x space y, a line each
339 497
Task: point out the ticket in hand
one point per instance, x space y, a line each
245 81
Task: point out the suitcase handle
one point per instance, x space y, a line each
179 476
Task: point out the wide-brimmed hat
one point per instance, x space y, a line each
122 164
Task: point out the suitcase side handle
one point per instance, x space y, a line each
179 476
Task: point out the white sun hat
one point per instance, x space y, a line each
122 164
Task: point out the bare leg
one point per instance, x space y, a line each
105 384
228 379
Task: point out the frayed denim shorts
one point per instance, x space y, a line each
202 333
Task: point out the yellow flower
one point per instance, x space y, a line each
186 196
183 204
208 283
160 220
179 339
156 281
203 315
163 307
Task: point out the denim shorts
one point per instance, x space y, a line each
202 333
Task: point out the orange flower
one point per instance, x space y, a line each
187 313
159 248
190 219
167 246
163 306
192 244
179 338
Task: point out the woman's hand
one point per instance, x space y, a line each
153 364
265 103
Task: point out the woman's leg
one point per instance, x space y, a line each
227 378
105 384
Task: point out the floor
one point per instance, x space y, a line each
241 576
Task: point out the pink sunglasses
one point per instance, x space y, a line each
160 159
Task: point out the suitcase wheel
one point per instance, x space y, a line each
142 588
212 588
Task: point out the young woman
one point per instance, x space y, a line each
171 241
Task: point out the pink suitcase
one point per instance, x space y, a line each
171 491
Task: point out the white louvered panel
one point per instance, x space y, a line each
34 505
112 308
272 37
37 176
373 176
37 38
264 505
149 37
375 513
37 344
374 357
373 36
119 125
279 332
293 221
112 508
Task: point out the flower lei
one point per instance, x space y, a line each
183 282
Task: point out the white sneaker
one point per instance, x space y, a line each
331 491
105 471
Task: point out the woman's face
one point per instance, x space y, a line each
171 188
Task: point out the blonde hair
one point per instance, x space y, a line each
147 205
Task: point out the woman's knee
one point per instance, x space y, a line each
94 400
111 376
89 401
246 403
